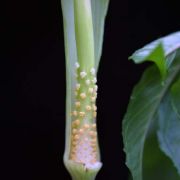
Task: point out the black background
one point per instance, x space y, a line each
32 86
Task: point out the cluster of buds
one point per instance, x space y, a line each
84 133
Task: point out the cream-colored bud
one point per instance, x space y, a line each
76 122
88 82
90 90
77 104
75 113
76 137
88 108
94 80
86 126
81 114
93 99
83 95
94 107
83 74
93 71
94 125
74 131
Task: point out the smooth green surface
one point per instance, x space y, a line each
175 96
71 58
160 51
99 9
147 97
169 131
84 34
156 165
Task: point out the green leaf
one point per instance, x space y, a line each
169 131
155 161
99 10
175 97
144 103
159 51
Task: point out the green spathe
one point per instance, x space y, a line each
77 49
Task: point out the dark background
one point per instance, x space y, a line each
32 86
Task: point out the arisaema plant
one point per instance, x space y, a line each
83 35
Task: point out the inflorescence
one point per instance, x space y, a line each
84 134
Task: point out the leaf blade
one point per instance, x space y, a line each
139 117
130 124
155 161
175 97
168 133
